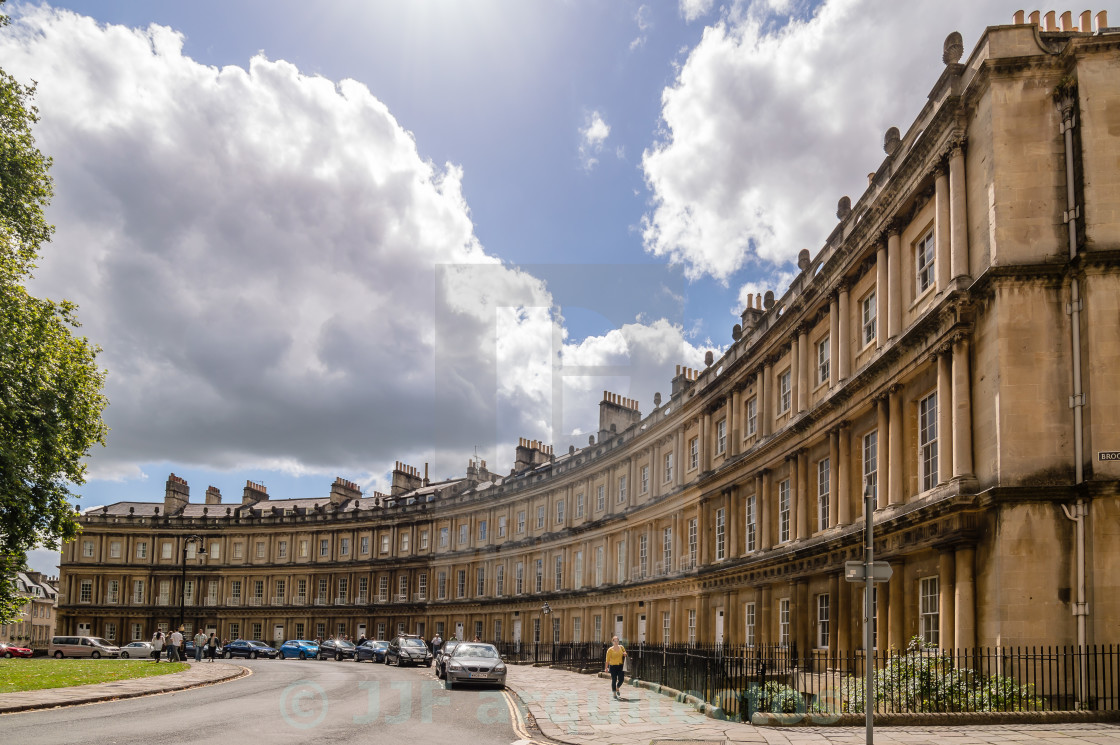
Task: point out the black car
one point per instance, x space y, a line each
444 652
372 650
249 649
408 649
336 649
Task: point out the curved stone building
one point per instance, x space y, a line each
951 351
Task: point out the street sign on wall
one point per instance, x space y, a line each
881 571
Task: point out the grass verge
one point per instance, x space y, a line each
39 673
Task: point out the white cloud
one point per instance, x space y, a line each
693 9
771 120
278 278
644 22
592 135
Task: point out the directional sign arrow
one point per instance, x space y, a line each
854 571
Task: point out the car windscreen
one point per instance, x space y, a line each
413 643
475 650
101 642
257 644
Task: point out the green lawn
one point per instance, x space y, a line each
42 672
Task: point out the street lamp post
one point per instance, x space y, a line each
183 580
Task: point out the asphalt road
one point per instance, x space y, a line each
285 702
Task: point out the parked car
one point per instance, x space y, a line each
10 650
249 649
475 662
337 649
408 649
82 646
444 652
301 648
372 650
136 649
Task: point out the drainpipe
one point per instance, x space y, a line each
1080 510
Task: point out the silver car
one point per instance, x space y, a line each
475 662
136 649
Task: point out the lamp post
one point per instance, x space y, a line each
183 580
545 610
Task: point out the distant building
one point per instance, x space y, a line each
952 351
35 625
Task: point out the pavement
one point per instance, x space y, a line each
558 706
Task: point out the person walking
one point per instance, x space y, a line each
437 642
615 658
157 645
212 646
173 654
199 643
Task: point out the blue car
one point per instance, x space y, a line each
372 650
300 648
249 649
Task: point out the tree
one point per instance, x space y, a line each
50 385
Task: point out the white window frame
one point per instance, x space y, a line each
694 453
869 318
925 264
752 416
929 610
721 542
869 457
824 476
751 522
783 511
823 609
927 442
785 391
750 621
824 360
721 436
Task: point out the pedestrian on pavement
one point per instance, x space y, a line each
212 646
437 642
615 658
173 654
157 645
199 643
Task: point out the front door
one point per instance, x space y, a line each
278 633
83 629
618 627
719 626
642 629
517 632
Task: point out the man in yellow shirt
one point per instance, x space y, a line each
616 655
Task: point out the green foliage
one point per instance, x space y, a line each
50 385
772 697
925 680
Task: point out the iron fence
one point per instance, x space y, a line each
743 679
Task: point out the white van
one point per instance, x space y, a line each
82 646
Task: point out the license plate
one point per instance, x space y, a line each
480 675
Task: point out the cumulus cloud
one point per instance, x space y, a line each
278 278
592 135
772 119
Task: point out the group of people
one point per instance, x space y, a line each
173 644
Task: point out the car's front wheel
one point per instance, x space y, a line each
228 655
252 655
303 655
58 655
95 655
8 655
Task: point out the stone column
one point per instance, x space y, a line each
944 416
958 214
801 610
804 503
794 378
678 458
844 349
962 409
844 476
833 478
834 341
764 619
965 601
763 401
730 503
844 617
730 619
883 454
895 467
881 292
834 617
941 228
947 616
655 473
734 414
803 370
675 633
764 532
705 440
894 280
702 526
897 607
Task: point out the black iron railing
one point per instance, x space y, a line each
743 679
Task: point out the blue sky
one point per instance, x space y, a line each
314 239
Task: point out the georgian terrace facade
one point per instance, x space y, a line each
952 349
